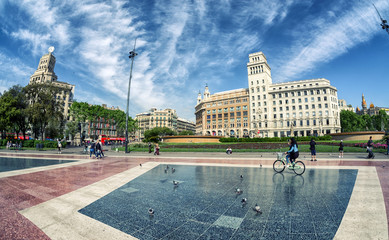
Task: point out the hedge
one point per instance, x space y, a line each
33 143
275 139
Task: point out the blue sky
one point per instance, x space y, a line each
183 45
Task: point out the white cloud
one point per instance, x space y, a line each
13 71
329 40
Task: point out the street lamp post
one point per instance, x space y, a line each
132 57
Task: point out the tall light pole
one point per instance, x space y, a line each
132 57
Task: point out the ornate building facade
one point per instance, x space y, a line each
298 108
45 75
372 110
223 114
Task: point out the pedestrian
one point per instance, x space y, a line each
59 145
312 147
98 149
150 147
341 145
92 149
293 152
229 151
369 148
156 152
387 145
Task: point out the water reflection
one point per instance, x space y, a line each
11 164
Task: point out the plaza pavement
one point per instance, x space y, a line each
43 202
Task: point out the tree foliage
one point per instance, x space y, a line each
352 122
186 132
158 132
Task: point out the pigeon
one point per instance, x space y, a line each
165 170
241 176
173 170
175 183
244 200
260 165
151 211
257 209
140 164
238 191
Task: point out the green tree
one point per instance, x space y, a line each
79 112
369 126
381 121
351 122
158 132
43 107
186 132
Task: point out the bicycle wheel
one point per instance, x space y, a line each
299 168
278 166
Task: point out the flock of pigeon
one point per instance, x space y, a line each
238 191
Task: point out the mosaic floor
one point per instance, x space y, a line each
109 199
204 205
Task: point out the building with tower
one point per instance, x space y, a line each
372 110
45 75
298 108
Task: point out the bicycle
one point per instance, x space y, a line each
279 165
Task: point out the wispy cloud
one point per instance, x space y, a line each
328 37
13 67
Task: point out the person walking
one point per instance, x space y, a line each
150 147
98 149
156 152
341 145
229 151
370 148
312 147
293 152
59 145
92 149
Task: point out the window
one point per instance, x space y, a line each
286 101
208 111
231 109
318 91
318 99
226 115
281 115
219 110
264 96
312 99
280 95
299 94
319 105
245 107
306 107
293 101
299 100
238 108
313 113
225 109
313 106
325 98
259 97
232 115
292 93
287 108
213 110
280 108
287 115
238 114
306 99
274 102
311 90
320 113
324 91
274 109
300 114
252 98
253 104
307 122
286 94
280 101
274 96
263 89
293 107
259 104
305 93
326 105
275 116
252 90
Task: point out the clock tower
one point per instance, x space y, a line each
45 71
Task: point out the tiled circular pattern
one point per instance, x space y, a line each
205 206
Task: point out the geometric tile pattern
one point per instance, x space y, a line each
204 205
